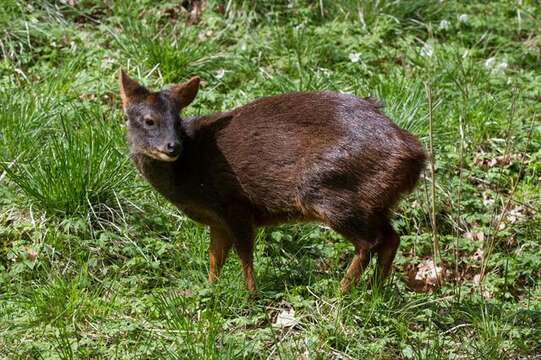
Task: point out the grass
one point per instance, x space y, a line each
94 264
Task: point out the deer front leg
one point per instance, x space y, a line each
220 244
242 230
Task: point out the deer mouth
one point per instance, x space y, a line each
162 156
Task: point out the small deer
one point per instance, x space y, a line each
320 157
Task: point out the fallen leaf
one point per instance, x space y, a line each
425 276
486 160
484 291
488 198
31 254
520 213
286 319
184 293
474 235
195 12
478 255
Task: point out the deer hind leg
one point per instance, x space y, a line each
242 231
358 264
386 251
245 248
220 244
363 238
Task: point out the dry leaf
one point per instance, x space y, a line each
485 160
425 276
184 293
286 319
488 198
484 291
196 12
31 254
478 255
520 213
475 235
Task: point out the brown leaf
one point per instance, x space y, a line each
220 9
520 213
484 291
31 254
184 293
196 12
488 161
426 276
478 255
474 235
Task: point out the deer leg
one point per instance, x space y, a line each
241 228
386 251
364 234
355 269
363 238
220 244
247 262
244 244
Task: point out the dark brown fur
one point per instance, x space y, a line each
307 156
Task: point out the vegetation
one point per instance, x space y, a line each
94 264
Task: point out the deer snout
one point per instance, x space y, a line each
172 149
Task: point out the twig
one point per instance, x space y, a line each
488 245
454 328
459 195
491 240
435 241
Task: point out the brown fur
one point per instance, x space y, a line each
306 156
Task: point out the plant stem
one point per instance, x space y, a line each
435 241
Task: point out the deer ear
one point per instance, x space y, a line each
185 93
130 89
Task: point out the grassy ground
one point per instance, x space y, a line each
94 264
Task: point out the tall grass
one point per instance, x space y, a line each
20 123
176 51
76 166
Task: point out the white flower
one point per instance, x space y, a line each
463 18
494 67
219 74
501 67
490 62
444 25
427 50
354 57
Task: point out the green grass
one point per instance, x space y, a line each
94 264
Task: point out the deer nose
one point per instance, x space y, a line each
173 148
